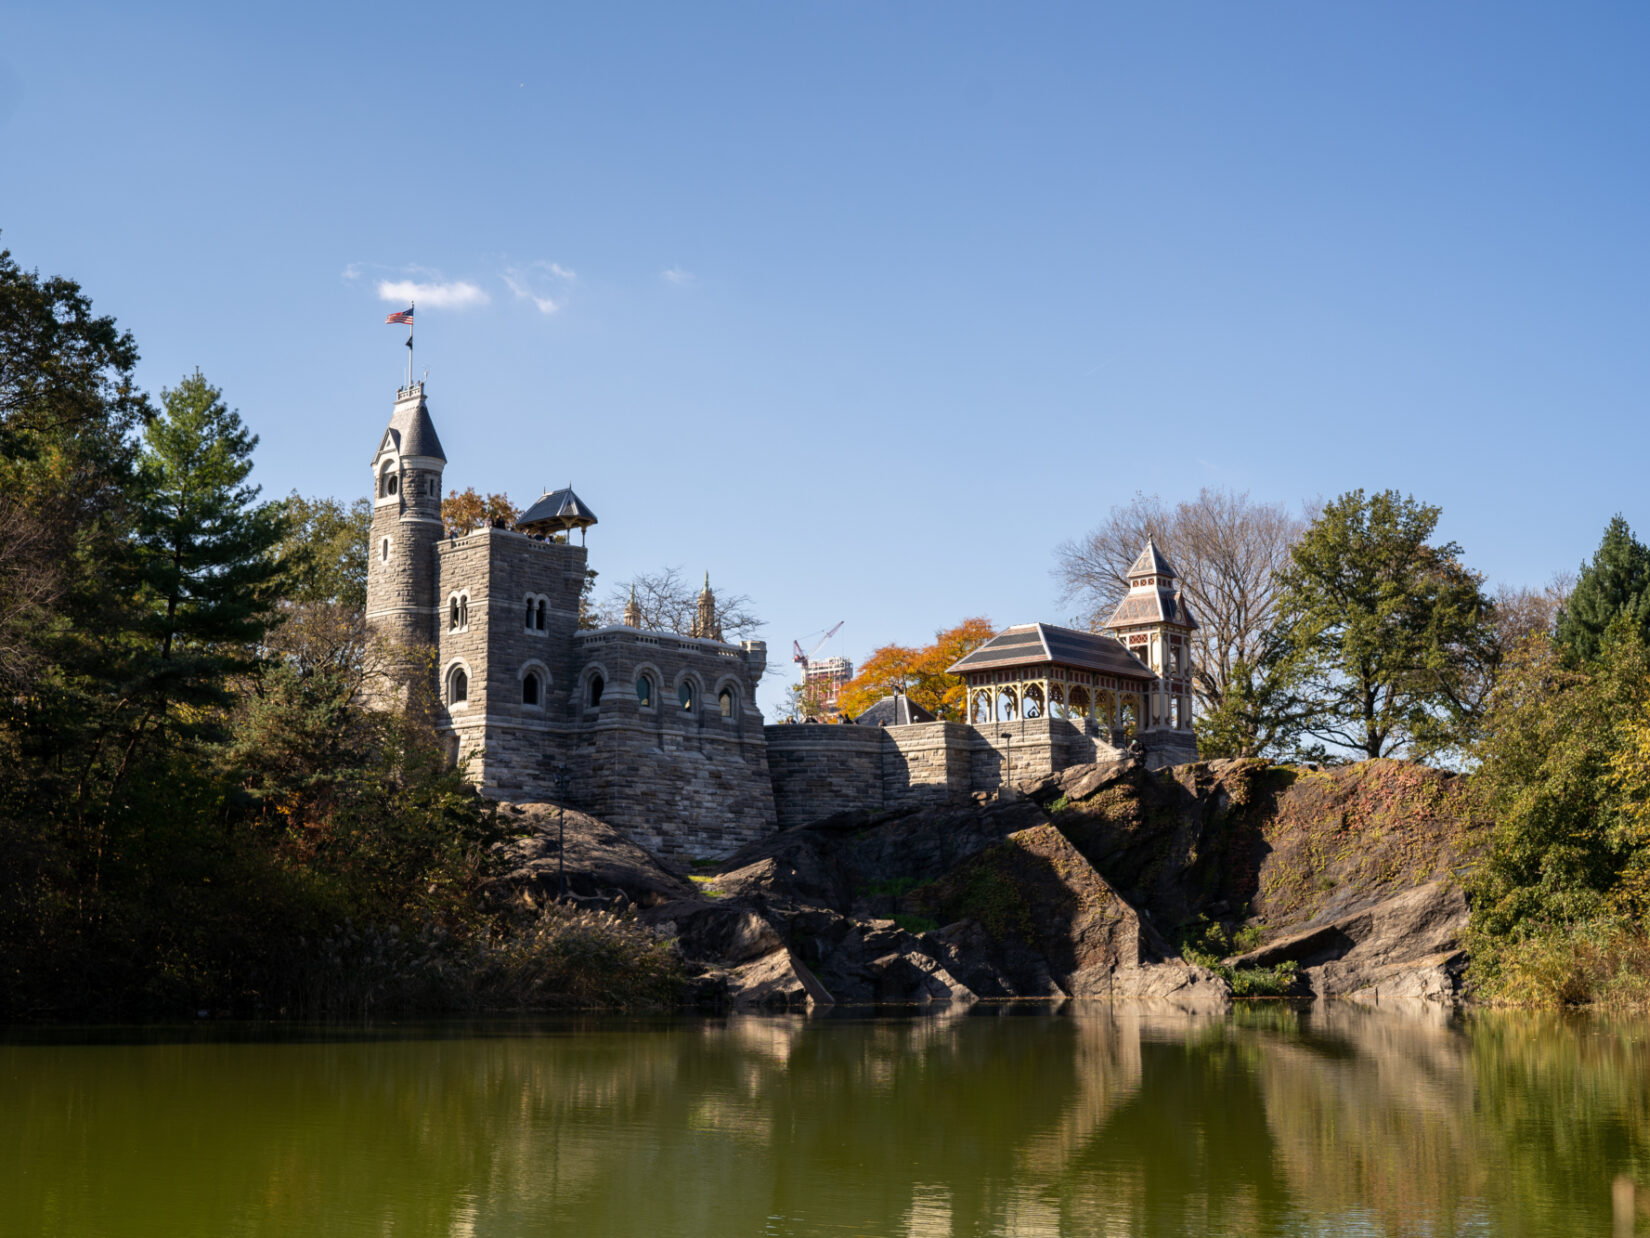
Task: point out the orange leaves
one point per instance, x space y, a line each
919 672
468 511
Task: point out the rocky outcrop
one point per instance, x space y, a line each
1078 887
1408 945
602 865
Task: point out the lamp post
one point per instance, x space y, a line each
1008 778
562 777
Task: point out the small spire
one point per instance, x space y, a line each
704 620
632 612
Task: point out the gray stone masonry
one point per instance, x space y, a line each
678 773
820 770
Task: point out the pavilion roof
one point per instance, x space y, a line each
896 710
1033 643
559 509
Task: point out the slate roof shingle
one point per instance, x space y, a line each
1044 642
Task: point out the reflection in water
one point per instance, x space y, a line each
1092 1119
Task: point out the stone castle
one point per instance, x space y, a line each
659 733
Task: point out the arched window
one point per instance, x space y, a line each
684 694
644 692
384 551
392 483
530 688
452 615
463 611
724 698
1031 703
1080 702
1007 706
458 686
596 686
529 621
541 612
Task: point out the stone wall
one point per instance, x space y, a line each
680 778
820 770
678 775
817 770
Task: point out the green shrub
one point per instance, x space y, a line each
571 958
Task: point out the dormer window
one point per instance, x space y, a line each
392 484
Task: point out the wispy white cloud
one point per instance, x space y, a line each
675 275
542 283
352 271
457 294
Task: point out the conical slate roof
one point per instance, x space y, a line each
1151 562
1149 600
411 429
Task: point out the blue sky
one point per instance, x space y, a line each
864 308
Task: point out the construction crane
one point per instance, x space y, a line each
796 647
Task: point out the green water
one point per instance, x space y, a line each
1335 1120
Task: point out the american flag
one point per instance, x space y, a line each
405 316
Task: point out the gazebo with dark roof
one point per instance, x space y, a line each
557 511
1040 670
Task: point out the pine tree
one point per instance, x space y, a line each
208 576
1616 584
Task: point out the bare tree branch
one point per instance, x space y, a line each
1227 549
669 603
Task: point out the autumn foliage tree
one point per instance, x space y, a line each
466 511
920 673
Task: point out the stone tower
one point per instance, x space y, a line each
1156 625
402 606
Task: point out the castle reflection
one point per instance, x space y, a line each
1087 1119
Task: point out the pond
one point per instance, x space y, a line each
1334 1119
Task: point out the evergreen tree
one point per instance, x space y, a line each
208 577
1388 636
1616 584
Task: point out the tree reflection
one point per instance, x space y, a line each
1094 1119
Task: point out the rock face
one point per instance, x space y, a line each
602 865
1076 888
1408 945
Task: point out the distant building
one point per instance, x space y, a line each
822 680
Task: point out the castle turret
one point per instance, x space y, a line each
402 606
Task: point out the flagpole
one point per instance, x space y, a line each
412 307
